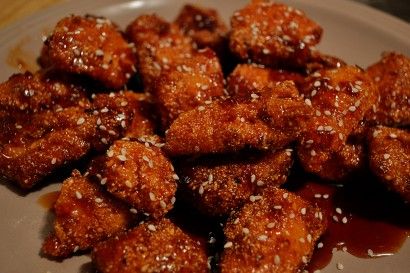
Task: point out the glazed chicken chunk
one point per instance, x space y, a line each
158 246
266 122
138 174
218 185
389 158
44 126
273 34
339 99
85 215
392 78
275 233
90 46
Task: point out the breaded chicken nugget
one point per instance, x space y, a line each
273 34
43 126
119 114
138 174
392 78
198 81
267 122
339 99
275 233
249 79
389 158
90 46
151 247
204 26
85 215
217 186
160 46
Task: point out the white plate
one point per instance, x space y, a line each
355 33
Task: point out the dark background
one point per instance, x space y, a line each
399 8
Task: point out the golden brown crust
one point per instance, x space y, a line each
264 123
138 174
151 247
273 34
392 78
218 185
90 46
339 99
85 215
276 233
389 150
248 79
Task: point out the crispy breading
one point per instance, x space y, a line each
389 152
321 61
264 123
218 185
204 26
91 46
276 233
339 99
157 246
273 34
392 78
85 215
198 81
248 79
44 127
141 176
160 46
120 114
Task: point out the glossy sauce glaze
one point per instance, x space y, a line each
365 219
47 200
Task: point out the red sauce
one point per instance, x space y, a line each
22 59
47 200
376 219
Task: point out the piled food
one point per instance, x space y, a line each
192 115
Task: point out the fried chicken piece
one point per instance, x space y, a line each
122 113
217 186
44 126
160 46
85 215
91 46
392 78
273 34
190 85
228 126
250 79
151 247
204 26
141 176
389 152
276 233
339 99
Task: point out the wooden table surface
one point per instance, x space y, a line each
13 10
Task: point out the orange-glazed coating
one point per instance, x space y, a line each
248 79
392 78
158 246
85 215
198 81
275 233
273 34
389 153
138 174
218 185
339 99
119 114
204 26
267 122
43 125
90 46
160 47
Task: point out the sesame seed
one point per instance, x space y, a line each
162 204
303 211
98 200
99 52
276 259
173 200
393 135
128 183
260 183
103 181
228 245
386 156
308 102
80 121
339 266
122 157
254 96
152 227
285 195
370 252
339 210
245 230
270 225
76 248
352 108
78 195
335 218
54 160
152 196
312 152
277 207
304 259
318 195
340 136
344 220
266 51
325 196
316 84
262 237
327 113
201 190
134 211
175 176
320 245
302 240
201 108
253 178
